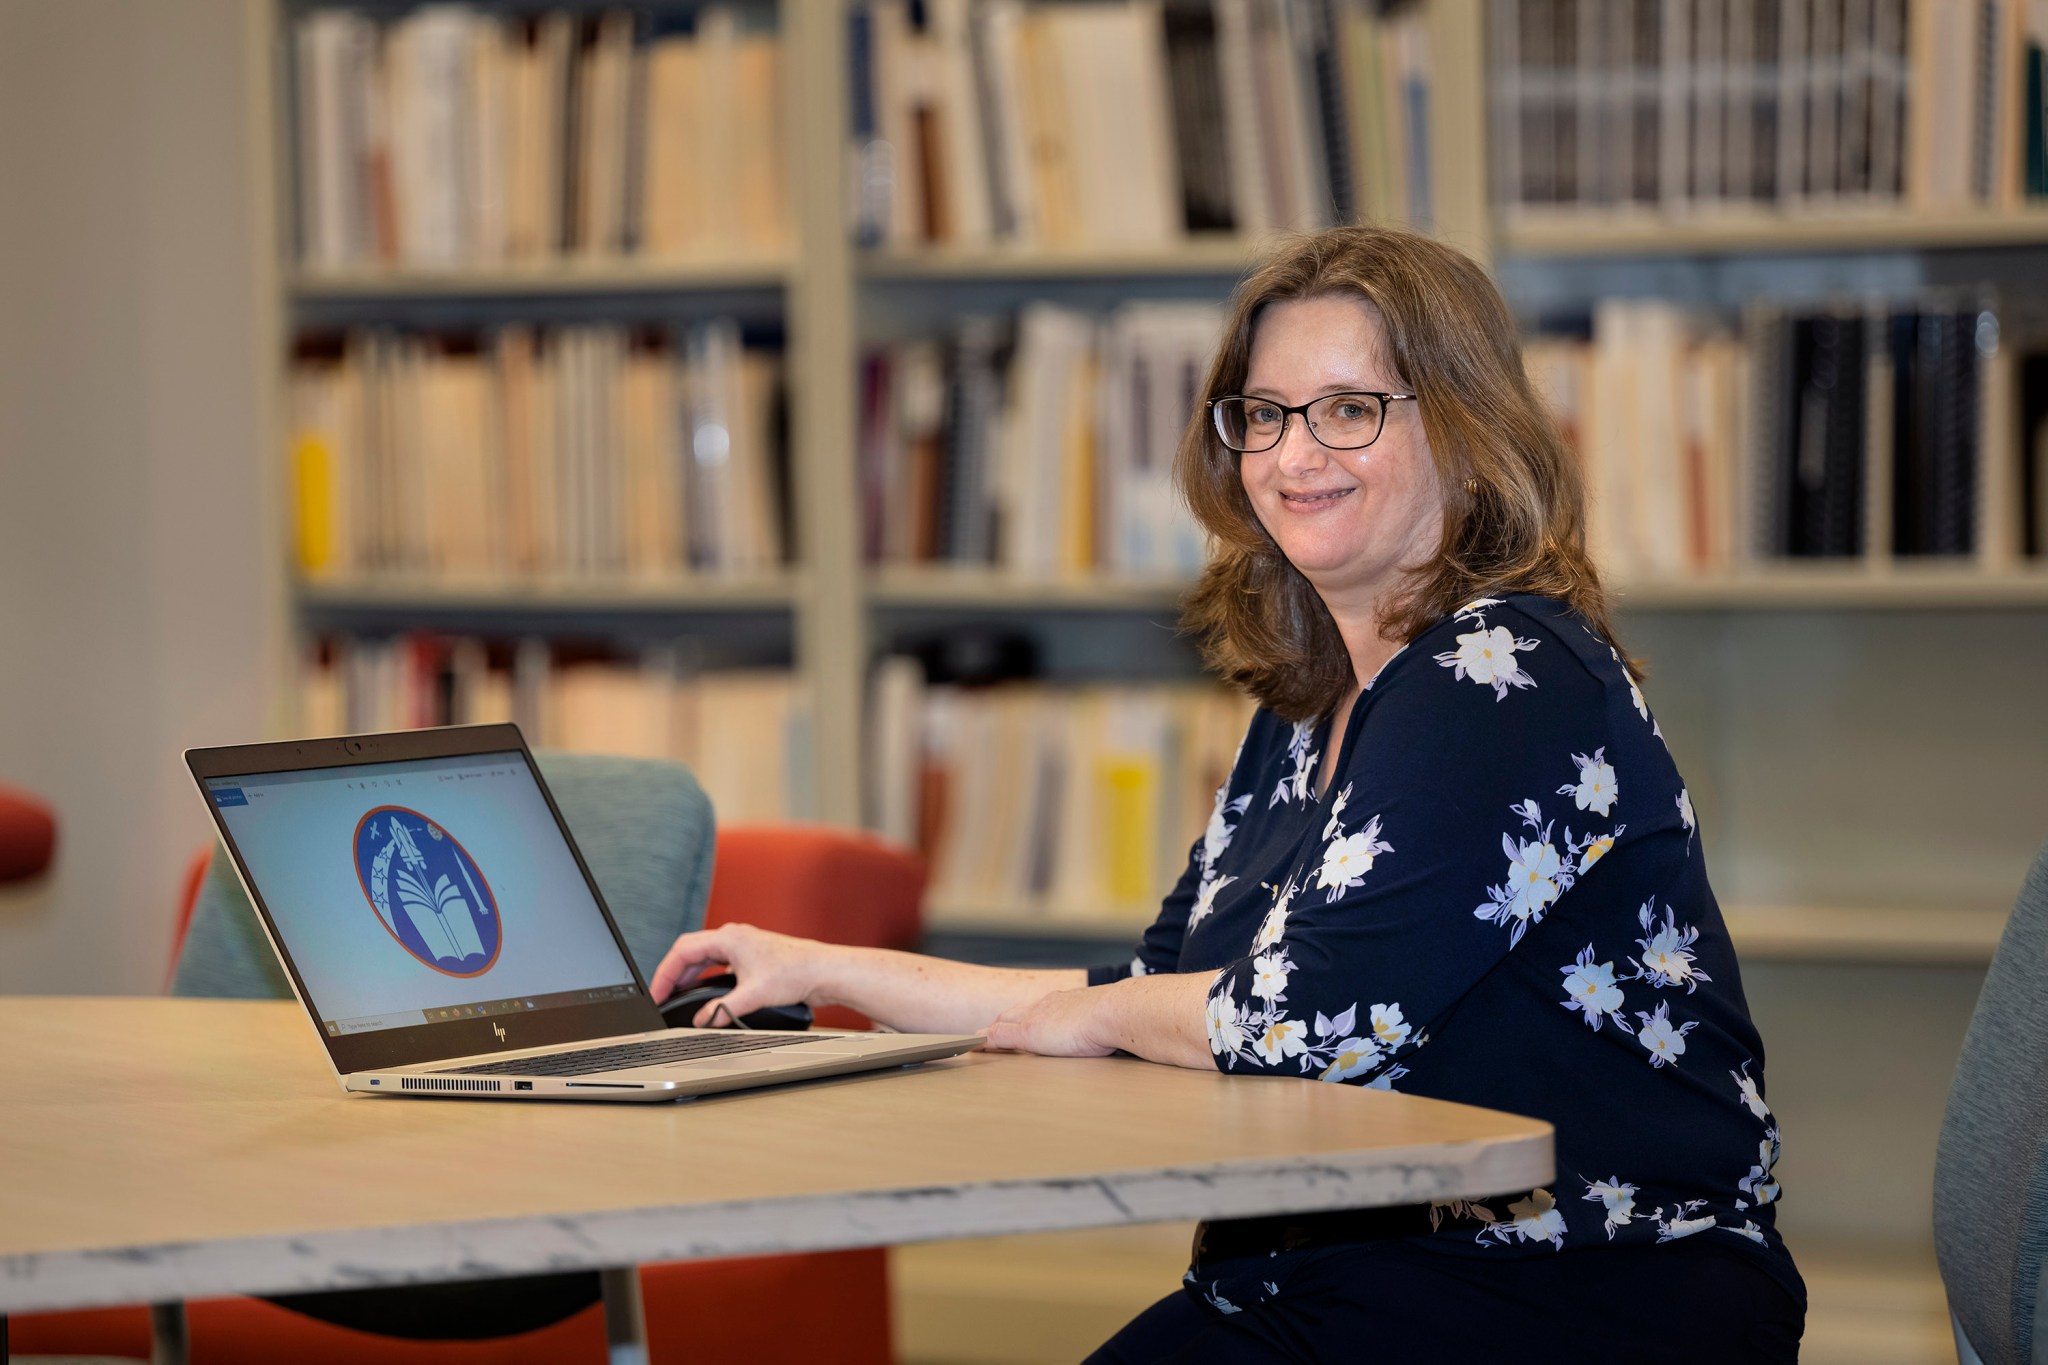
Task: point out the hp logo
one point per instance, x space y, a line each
499 1029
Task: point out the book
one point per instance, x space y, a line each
741 731
589 451
447 136
1044 446
1063 801
1681 106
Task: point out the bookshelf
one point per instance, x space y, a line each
554 278
831 300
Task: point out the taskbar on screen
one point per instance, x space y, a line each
518 1004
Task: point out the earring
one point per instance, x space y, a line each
1472 487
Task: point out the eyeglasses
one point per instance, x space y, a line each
1339 421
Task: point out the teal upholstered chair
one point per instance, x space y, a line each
645 829
1991 1169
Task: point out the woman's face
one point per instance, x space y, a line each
1350 520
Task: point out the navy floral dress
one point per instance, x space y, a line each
1501 899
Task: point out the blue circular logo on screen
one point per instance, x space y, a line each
427 891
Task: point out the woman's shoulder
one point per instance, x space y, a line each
1495 648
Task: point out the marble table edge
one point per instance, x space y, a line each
527 1244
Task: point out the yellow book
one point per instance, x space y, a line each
313 474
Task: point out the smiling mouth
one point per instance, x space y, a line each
1313 499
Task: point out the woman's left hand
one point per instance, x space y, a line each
1056 1024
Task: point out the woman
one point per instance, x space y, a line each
1453 858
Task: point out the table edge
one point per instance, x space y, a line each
535 1243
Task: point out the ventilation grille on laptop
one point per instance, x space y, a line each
445 1083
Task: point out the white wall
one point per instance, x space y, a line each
140 591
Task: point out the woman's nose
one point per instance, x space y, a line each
1299 451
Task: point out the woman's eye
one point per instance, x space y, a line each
1265 414
1350 412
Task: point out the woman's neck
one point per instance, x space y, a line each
1369 650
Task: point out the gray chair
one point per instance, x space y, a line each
644 826
1991 1169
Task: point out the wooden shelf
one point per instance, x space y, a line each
384 593
1845 229
562 277
994 589
1876 586
1223 256
1092 929
1903 937
1860 585
1898 937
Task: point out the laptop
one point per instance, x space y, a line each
445 937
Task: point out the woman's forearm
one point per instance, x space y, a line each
919 994
1160 1018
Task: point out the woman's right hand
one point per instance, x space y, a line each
771 968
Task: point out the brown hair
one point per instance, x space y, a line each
1449 338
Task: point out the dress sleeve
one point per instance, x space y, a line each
1476 792
1159 950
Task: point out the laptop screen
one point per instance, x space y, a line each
422 891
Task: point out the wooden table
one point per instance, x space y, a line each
159 1150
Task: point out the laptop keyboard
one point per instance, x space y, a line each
653 1052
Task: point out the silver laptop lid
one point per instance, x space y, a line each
423 894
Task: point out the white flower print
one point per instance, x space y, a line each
1665 1041
1590 989
1389 1027
1758 1183
1685 815
1349 857
1488 657
1619 1199
1271 928
1457 1209
1536 877
1474 607
1335 1050
1595 790
1667 955
1335 824
1275 923
1683 1222
1295 785
1205 898
1354 1057
1751 1095
1595 848
1217 836
1226 1029
1748 1229
1534 1219
1269 976
1282 1038
1138 967
1635 693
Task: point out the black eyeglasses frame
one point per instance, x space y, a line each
1216 419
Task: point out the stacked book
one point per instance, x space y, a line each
582 451
741 731
1674 105
1131 124
1829 433
1041 444
1073 802
450 136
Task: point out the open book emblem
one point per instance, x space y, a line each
427 891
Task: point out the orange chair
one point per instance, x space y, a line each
827 1307
28 836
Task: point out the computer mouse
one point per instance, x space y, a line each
680 1009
